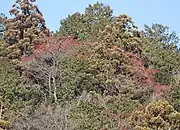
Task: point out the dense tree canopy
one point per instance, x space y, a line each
24 30
98 72
160 50
88 24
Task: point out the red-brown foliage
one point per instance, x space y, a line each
144 75
52 45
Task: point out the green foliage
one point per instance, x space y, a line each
160 50
13 96
161 34
4 124
167 61
109 71
9 79
122 32
72 78
2 28
102 68
59 76
97 16
107 66
164 77
24 30
90 87
157 115
72 24
88 24
95 111
173 96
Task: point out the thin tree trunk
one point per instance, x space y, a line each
49 86
55 94
1 110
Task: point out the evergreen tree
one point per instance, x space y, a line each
122 32
109 64
97 16
24 30
88 24
161 33
158 115
72 24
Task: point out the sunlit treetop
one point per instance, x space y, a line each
26 28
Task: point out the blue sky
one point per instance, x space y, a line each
141 11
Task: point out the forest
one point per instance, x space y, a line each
97 72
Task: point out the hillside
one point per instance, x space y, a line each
97 72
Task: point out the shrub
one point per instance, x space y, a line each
94 111
157 115
4 124
45 118
172 95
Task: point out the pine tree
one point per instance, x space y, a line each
122 32
97 16
161 33
87 24
24 30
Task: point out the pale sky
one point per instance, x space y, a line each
142 11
